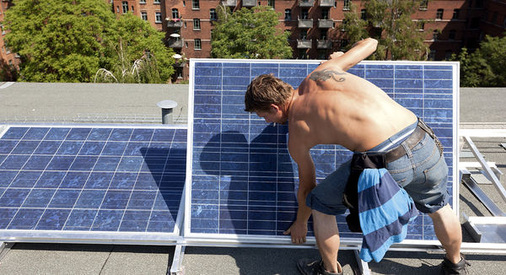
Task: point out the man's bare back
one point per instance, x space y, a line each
334 107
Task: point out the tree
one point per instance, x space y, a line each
389 21
57 40
250 33
69 40
136 53
483 68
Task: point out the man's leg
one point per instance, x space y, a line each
448 231
327 239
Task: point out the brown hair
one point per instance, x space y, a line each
265 90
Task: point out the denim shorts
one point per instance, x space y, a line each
422 172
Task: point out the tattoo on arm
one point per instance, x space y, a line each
325 74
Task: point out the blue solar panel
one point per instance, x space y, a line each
243 181
100 179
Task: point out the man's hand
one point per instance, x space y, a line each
336 55
332 56
298 231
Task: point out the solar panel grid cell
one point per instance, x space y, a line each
91 179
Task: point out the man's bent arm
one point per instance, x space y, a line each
360 51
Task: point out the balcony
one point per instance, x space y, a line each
327 3
249 3
304 43
325 23
176 43
305 23
229 3
324 44
306 3
174 23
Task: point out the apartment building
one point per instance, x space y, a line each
314 24
448 25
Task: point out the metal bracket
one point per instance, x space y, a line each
4 249
363 266
177 262
487 170
478 192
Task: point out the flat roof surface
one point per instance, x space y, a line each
479 108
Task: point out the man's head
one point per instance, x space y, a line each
268 96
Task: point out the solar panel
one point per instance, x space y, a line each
91 182
243 181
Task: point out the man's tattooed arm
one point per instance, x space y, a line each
326 74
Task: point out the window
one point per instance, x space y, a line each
363 14
196 24
435 35
424 4
270 3
343 25
448 55
494 17
195 4
125 6
325 13
158 17
144 15
142 2
304 14
175 13
421 25
347 4
322 54
303 35
288 15
452 34
456 14
155 1
303 54
198 44
439 14
475 23
432 55
213 15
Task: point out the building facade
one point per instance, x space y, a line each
314 25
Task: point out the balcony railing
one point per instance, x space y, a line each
174 23
249 3
306 3
305 23
304 43
324 44
327 3
325 23
175 43
229 3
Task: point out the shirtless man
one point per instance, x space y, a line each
332 106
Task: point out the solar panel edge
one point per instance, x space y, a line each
362 66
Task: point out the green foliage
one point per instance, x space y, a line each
483 68
249 33
136 52
69 40
390 23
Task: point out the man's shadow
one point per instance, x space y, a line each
256 181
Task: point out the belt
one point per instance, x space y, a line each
410 142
